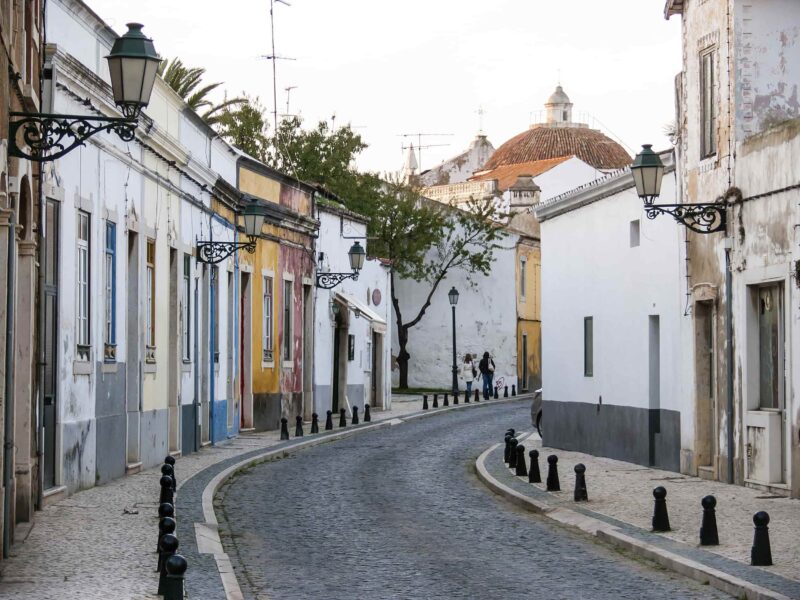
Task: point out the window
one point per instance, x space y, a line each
151 296
708 103
266 325
588 349
186 309
287 320
351 347
215 310
83 285
111 291
522 263
634 233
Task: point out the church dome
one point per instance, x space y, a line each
558 97
543 143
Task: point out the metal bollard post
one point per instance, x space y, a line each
581 493
660 514
354 420
367 416
521 471
298 428
708 528
534 476
553 484
513 389
761 553
175 566
477 396
445 403
495 394
170 460
512 431
169 471
166 526
166 509
507 450
505 392
436 401
466 397
166 490
169 545
328 421
284 428
342 418
424 401
455 398
314 423
512 453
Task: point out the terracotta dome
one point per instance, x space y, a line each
543 142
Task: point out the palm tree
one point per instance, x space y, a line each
185 81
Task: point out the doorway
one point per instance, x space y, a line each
245 355
133 357
174 370
654 363
50 292
705 385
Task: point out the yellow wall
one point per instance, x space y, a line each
258 185
266 379
529 313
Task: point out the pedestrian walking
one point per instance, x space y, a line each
486 367
468 372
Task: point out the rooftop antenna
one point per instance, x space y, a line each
480 112
288 92
420 146
274 57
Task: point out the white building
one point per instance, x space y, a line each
352 352
614 324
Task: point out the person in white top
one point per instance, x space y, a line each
468 372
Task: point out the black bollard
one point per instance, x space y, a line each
436 401
581 493
761 553
328 421
354 420
708 528
367 416
424 401
298 428
284 428
455 398
505 392
314 423
166 509
170 460
477 396
166 489
342 418
521 471
466 397
507 450
512 453
534 476
166 526
495 394
512 431
660 515
169 472
513 389
176 569
552 474
445 403
169 545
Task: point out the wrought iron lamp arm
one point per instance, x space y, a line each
51 136
215 252
331 280
700 218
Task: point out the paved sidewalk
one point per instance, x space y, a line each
620 496
101 540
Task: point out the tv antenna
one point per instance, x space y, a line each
420 145
274 58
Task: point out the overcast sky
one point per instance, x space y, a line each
426 66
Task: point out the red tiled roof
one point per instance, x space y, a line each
542 143
506 175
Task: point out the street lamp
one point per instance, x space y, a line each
648 171
356 254
453 297
132 64
213 252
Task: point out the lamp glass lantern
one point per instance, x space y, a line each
647 170
254 215
357 255
453 296
133 65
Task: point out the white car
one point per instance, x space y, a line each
536 411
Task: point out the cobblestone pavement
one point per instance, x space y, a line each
99 543
398 513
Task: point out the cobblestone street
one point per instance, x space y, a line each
398 513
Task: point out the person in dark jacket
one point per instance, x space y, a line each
486 367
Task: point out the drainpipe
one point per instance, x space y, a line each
729 352
8 446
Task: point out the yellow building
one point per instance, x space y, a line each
529 321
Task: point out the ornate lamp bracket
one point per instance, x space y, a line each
215 252
44 137
331 280
700 218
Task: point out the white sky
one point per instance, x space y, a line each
393 67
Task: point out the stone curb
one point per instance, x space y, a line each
207 533
721 580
